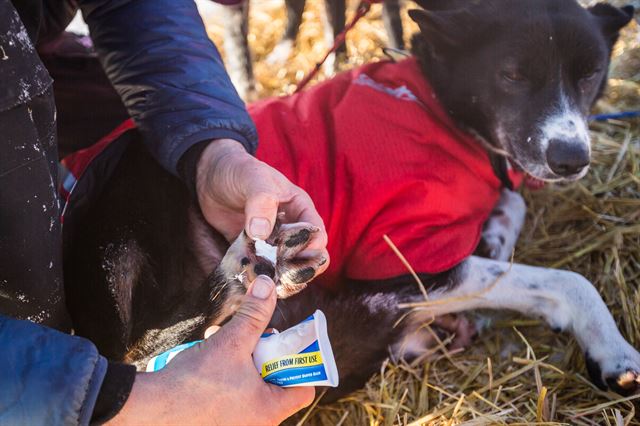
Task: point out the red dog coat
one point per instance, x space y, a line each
378 155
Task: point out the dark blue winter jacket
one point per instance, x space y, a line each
173 83
168 73
47 377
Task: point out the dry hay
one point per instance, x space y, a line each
518 372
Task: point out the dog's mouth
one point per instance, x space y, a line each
543 174
548 152
533 165
540 172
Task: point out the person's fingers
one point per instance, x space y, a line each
287 401
306 211
252 317
260 212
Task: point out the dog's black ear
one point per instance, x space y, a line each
442 28
610 18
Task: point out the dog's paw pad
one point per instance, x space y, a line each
295 268
263 268
282 257
247 258
294 274
299 238
300 271
299 275
292 238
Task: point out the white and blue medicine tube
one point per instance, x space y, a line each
298 356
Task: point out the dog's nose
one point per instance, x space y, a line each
567 157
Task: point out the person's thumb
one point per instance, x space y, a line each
253 315
287 401
260 212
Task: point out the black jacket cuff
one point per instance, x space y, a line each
114 392
188 166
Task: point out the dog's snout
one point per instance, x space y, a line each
567 157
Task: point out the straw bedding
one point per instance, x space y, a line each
518 371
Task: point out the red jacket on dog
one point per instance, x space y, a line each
378 155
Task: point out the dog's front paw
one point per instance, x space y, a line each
294 267
620 373
280 257
627 382
500 232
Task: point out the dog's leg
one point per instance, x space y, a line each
393 23
334 25
501 231
283 49
236 46
565 300
226 285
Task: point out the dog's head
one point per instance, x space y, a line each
522 74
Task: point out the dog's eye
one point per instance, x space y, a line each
513 76
588 80
590 75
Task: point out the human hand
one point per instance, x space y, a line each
216 382
236 191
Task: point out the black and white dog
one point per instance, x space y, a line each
238 55
144 272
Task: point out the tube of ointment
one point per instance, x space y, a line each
299 356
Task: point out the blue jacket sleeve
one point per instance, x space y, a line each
169 74
46 377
